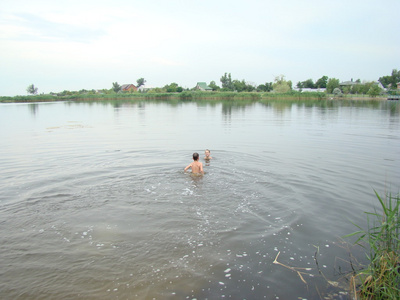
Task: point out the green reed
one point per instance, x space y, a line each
381 279
295 95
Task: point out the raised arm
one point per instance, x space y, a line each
187 168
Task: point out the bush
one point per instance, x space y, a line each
337 92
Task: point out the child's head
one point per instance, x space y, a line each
195 156
207 152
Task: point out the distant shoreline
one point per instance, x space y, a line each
190 96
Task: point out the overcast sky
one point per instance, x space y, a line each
72 45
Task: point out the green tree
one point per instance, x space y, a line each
214 86
331 85
173 88
366 87
226 81
267 87
386 81
357 89
391 80
280 85
116 87
31 89
140 82
309 83
321 83
157 90
239 86
347 89
250 87
65 93
374 90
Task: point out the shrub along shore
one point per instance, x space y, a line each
187 95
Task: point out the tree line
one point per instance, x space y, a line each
279 85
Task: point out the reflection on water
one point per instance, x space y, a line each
94 203
33 108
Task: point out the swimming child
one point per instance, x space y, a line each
197 167
207 153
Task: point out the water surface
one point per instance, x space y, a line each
94 203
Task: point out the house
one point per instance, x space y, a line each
202 86
128 88
144 89
352 83
348 83
398 85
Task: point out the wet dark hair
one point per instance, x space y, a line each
195 156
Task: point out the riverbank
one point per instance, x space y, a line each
186 96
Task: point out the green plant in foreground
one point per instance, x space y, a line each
381 279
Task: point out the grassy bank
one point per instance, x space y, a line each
138 96
187 96
381 278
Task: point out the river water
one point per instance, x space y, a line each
94 203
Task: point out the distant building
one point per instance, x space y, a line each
202 86
144 89
352 83
398 85
128 88
348 83
310 90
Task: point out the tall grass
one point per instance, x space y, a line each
381 279
30 98
186 96
295 95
